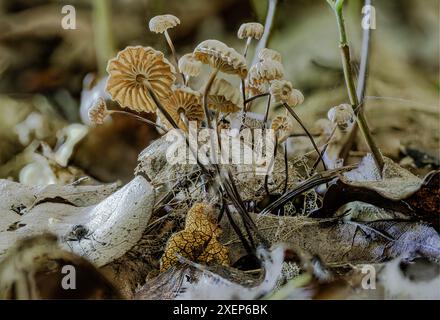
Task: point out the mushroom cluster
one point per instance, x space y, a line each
142 79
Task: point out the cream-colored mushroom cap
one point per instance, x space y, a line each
264 72
183 101
253 89
282 126
343 116
98 111
159 24
224 97
129 71
281 91
250 30
219 56
189 65
296 98
269 54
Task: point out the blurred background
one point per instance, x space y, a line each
47 73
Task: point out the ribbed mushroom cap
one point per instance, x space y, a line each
264 72
224 97
183 100
250 30
283 126
343 116
282 91
219 56
269 54
159 24
189 65
128 73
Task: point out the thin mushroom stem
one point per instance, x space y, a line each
256 97
184 120
324 149
286 167
205 97
266 113
174 124
293 113
272 162
243 93
173 51
349 81
246 47
139 118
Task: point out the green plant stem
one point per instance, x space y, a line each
349 81
104 43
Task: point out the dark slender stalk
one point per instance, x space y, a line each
286 167
266 113
293 113
139 118
256 97
316 180
272 162
323 150
237 230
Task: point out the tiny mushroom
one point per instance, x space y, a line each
161 24
221 58
183 105
269 54
264 72
283 127
134 73
224 97
249 31
189 66
282 91
343 116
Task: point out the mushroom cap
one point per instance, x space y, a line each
189 65
264 72
283 126
281 90
219 56
161 23
224 97
269 54
296 98
343 116
250 30
128 71
98 111
255 89
183 100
